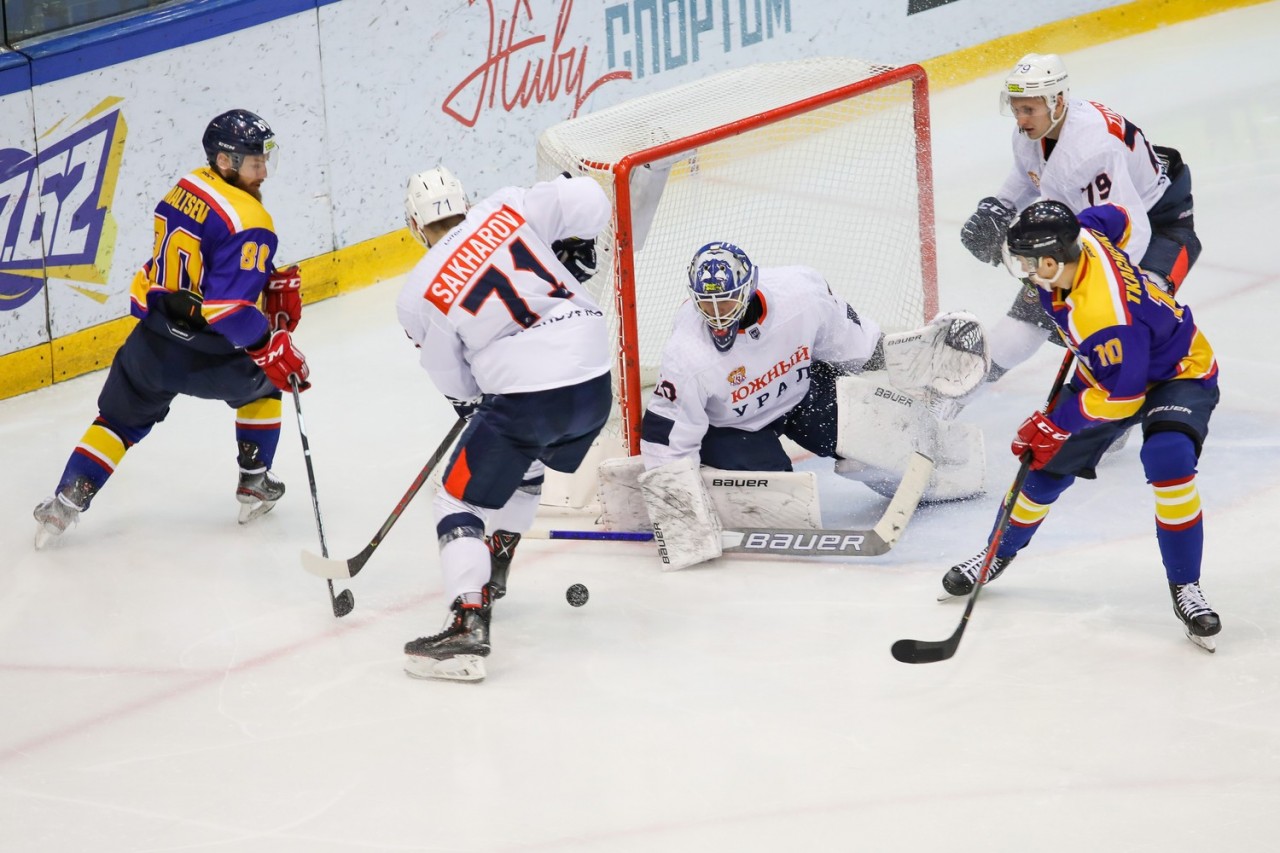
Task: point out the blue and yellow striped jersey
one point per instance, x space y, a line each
218 241
1126 332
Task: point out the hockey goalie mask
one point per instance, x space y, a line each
723 280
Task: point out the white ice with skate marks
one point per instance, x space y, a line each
159 649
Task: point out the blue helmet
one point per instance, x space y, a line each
723 280
237 133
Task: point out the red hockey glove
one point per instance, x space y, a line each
282 299
280 359
1041 437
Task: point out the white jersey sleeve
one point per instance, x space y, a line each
492 309
1018 188
763 376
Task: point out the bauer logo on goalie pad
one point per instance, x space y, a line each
661 543
894 396
739 484
835 543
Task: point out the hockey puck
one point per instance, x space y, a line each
576 595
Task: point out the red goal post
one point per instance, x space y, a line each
823 162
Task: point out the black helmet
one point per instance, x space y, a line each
237 133
1046 229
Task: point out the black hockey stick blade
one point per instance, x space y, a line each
343 603
932 651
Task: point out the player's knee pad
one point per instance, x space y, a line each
456 519
1168 455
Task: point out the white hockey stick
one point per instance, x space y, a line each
800 542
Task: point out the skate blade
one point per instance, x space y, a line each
456 668
44 536
1206 643
946 596
248 512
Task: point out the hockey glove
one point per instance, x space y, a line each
578 256
983 234
280 359
1040 437
465 408
282 298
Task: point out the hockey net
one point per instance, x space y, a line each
823 162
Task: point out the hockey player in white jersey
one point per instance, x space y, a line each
506 334
1080 153
761 353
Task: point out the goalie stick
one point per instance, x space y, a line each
932 651
802 542
343 602
340 569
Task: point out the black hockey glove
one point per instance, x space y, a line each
983 234
465 408
578 256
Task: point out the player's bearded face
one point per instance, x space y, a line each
251 174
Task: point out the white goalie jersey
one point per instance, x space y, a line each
492 309
763 376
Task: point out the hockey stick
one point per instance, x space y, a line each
341 569
932 651
344 601
802 542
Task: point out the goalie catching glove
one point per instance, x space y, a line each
949 357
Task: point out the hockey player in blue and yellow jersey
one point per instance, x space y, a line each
1141 360
201 332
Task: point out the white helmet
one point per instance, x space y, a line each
431 196
1037 75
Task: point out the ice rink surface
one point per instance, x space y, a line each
172 681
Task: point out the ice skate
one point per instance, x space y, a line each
1197 616
259 488
457 653
502 549
961 578
59 512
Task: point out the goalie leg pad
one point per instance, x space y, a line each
685 525
739 498
880 428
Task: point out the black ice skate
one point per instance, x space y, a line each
502 549
457 653
259 489
960 579
1196 614
59 512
